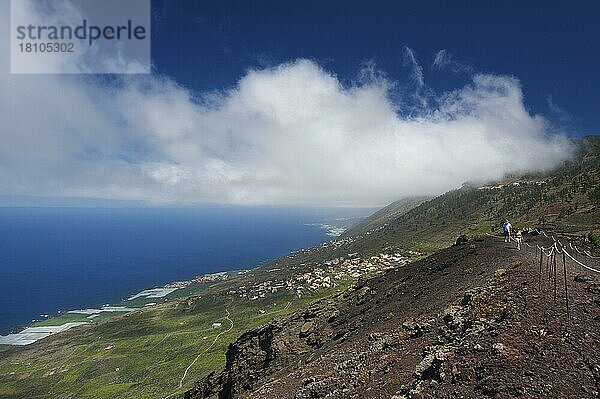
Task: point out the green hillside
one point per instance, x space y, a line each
385 215
565 200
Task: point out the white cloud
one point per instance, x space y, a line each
444 60
291 134
557 110
417 70
418 95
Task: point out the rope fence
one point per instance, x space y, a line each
549 262
550 259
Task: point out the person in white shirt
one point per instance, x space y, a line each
507 230
519 239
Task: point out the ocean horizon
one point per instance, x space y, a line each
62 258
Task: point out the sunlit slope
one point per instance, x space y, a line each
385 215
566 199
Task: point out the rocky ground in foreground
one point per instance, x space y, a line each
471 321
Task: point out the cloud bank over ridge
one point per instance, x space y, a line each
288 135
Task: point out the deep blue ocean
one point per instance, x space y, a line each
69 258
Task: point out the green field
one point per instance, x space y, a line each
151 347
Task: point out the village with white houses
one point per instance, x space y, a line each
516 183
326 275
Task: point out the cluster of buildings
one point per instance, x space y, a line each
211 278
178 284
326 275
498 186
340 242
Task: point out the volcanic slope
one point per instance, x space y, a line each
474 321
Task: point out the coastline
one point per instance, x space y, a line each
91 257
39 329
154 294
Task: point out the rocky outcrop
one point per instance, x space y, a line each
265 350
461 240
444 327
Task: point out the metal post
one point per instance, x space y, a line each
554 267
540 276
548 266
566 285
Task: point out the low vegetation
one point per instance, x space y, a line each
142 354
565 200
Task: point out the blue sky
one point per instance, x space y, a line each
551 46
305 103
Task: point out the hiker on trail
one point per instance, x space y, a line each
519 239
507 230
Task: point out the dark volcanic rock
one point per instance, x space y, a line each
416 329
443 327
594 288
461 240
583 278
